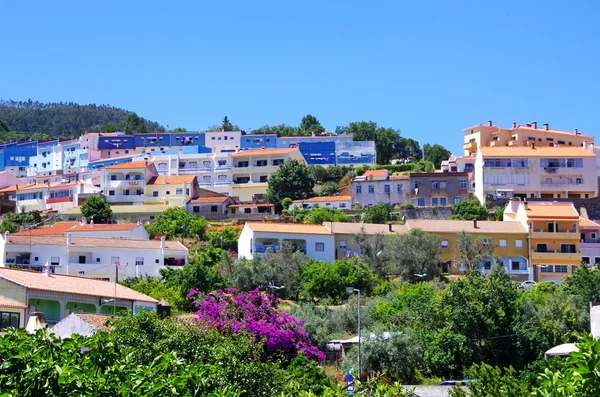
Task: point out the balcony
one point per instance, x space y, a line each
122 198
223 183
557 234
497 143
470 146
194 170
59 200
555 255
223 168
513 143
124 184
561 184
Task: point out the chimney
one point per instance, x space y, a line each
46 271
162 242
474 223
83 220
490 123
36 321
390 228
585 146
534 124
576 131
546 126
514 124
68 238
6 237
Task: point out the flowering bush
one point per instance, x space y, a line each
256 314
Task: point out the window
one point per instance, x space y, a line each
213 208
81 259
434 185
277 161
154 194
443 201
9 319
463 183
560 269
371 189
139 261
442 184
541 248
179 191
597 261
113 177
593 236
586 260
196 208
515 265
414 185
261 163
97 259
502 242
111 192
520 163
168 192
434 201
421 202
344 244
342 205
386 188
263 178
444 244
456 200
156 261
498 163
399 188
568 248
518 243
487 242
320 247
487 265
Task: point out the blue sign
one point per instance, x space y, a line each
349 383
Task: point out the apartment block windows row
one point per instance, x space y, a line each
561 163
506 163
554 268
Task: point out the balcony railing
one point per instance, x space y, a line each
548 251
223 183
562 183
554 231
261 249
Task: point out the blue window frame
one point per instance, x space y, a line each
399 188
421 202
443 201
371 189
358 189
456 200
463 183
386 188
434 202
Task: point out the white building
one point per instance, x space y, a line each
259 238
133 231
333 202
91 256
223 141
532 171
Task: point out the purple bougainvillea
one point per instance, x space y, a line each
256 314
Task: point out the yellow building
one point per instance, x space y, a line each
554 239
252 168
519 135
509 240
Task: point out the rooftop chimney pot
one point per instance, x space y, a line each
534 124
162 242
514 124
490 123
6 237
475 223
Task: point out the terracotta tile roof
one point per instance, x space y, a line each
58 229
296 228
97 320
172 180
5 302
54 185
257 152
524 127
375 173
94 242
551 210
103 227
262 205
511 215
71 285
209 200
543 151
135 165
483 227
325 199
586 223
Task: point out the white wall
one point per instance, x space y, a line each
245 241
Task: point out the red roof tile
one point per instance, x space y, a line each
71 285
209 200
132 165
5 302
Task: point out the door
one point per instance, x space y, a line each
551 227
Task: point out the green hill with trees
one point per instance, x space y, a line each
36 120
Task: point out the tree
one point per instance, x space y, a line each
226 125
177 222
286 202
96 209
225 238
179 129
471 251
371 248
234 312
378 213
293 179
386 140
4 126
134 123
362 130
8 226
310 125
469 210
415 255
436 154
408 149
329 189
584 284
423 166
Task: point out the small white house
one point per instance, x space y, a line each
91 256
341 202
259 238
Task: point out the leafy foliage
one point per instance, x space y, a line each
378 213
177 222
96 209
415 255
293 179
53 120
328 188
233 312
469 210
472 251
436 154
225 238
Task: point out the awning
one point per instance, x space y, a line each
561 350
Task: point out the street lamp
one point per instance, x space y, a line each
352 290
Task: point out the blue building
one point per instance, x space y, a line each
318 153
162 140
258 141
14 158
99 164
116 142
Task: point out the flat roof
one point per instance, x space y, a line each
292 228
538 151
93 242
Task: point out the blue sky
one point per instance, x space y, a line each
428 68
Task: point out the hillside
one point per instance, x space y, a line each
35 120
